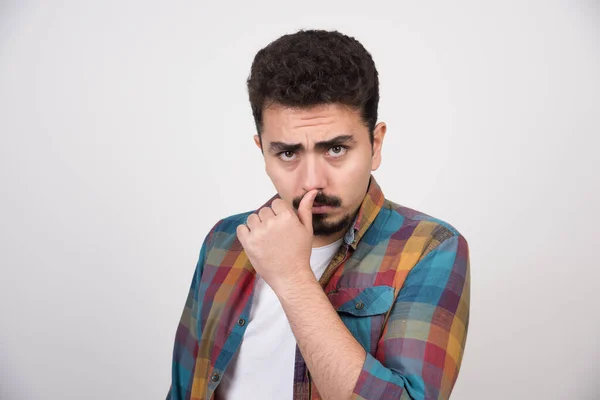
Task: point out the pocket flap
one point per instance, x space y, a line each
362 301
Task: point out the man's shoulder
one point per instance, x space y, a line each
230 223
223 234
412 216
404 222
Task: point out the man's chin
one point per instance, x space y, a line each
324 226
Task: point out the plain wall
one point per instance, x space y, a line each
126 133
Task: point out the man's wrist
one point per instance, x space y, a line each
296 284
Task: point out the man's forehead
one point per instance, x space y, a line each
304 136
318 123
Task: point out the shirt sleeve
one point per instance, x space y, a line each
186 337
421 348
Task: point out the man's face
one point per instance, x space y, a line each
326 148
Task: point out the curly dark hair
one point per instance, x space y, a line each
314 67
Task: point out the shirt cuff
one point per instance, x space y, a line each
378 382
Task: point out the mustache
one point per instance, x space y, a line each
321 199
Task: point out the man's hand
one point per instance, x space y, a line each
278 242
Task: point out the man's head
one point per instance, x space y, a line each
314 97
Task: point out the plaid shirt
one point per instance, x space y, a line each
399 282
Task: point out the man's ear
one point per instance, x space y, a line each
378 135
257 141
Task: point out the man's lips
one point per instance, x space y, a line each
321 209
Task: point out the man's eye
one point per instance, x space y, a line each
287 155
337 151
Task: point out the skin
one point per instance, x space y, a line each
318 163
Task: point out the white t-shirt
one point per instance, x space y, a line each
263 368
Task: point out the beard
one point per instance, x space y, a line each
322 227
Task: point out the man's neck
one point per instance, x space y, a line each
320 241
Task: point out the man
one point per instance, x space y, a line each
328 291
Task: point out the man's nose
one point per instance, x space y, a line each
313 174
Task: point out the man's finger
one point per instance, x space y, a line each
279 206
242 232
265 213
253 221
305 209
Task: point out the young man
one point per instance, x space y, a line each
328 291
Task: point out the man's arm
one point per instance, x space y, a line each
422 342
186 337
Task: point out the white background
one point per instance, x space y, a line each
126 133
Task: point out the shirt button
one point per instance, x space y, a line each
360 305
241 322
215 377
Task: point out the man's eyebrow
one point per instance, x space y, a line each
280 147
336 141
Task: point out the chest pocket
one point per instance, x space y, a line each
363 311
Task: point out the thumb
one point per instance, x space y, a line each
305 209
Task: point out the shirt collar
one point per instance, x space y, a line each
370 207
